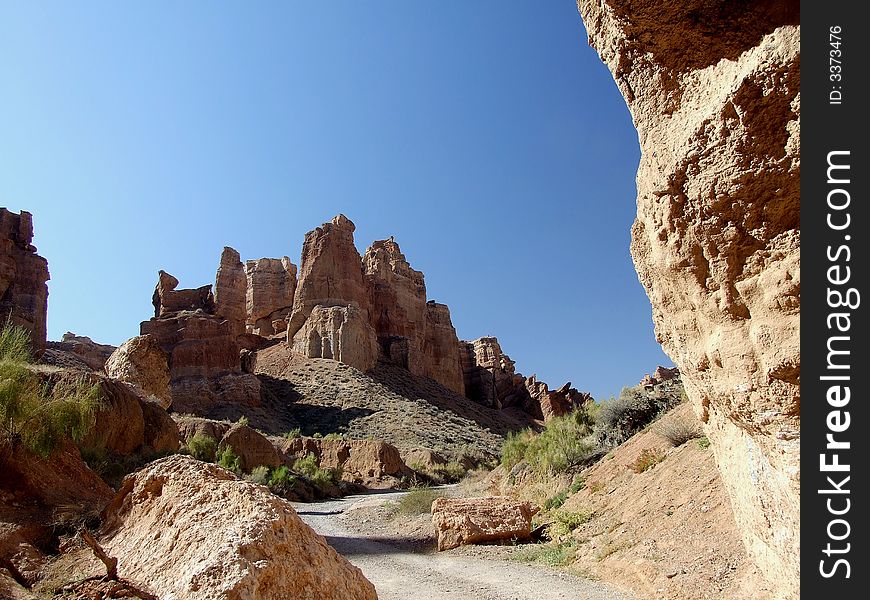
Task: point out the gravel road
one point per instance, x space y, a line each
400 573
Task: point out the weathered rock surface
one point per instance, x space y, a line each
330 273
342 333
23 277
714 93
359 460
441 348
193 530
230 291
84 350
269 297
142 362
463 521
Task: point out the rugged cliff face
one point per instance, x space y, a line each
713 89
23 277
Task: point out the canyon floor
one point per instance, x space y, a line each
399 558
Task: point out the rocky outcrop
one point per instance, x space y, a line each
230 291
359 460
555 403
660 375
269 299
193 530
441 348
203 347
463 521
342 333
77 351
23 277
167 300
142 362
713 90
491 379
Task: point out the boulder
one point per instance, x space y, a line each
189 427
142 362
230 291
341 333
23 277
252 448
193 530
463 521
160 433
270 290
714 91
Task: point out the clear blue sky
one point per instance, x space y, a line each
486 136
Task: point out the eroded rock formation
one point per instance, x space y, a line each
269 296
713 90
230 291
78 349
220 537
491 379
23 277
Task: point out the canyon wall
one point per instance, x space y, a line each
713 90
23 277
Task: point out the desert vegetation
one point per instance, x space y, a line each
36 414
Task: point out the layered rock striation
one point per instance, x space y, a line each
23 277
713 90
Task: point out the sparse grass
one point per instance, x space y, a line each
292 434
553 555
418 501
334 436
259 475
678 431
243 420
38 416
564 522
452 472
202 447
703 442
646 460
596 486
556 501
611 548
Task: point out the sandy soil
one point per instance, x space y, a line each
398 559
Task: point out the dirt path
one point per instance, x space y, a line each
401 572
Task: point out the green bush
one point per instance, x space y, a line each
565 444
334 436
227 458
418 501
34 415
281 480
514 448
703 442
243 420
564 522
452 472
556 501
202 447
309 467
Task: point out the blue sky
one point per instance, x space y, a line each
486 136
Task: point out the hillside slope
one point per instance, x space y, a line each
388 403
